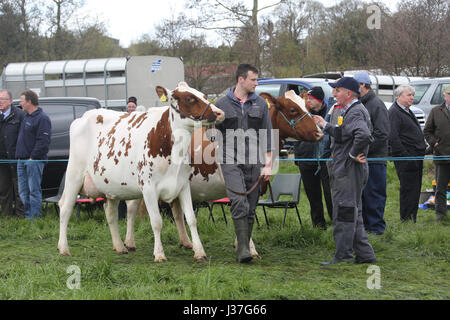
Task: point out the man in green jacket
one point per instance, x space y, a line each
437 134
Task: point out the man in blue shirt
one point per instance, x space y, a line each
32 147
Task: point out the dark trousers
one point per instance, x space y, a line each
241 178
374 199
442 180
313 188
410 175
9 192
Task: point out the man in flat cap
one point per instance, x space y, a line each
314 177
437 133
350 171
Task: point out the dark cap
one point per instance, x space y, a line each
347 83
132 99
317 93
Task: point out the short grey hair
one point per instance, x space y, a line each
401 88
8 92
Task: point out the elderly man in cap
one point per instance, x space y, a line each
406 140
437 133
374 194
350 171
314 177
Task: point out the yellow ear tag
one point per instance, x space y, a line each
163 98
340 121
268 103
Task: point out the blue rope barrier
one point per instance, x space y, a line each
300 160
378 159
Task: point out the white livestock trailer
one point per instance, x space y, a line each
110 80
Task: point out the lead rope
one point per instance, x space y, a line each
317 152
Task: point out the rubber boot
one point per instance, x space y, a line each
241 227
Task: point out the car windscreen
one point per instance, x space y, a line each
420 92
273 89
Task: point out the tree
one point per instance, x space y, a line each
232 15
60 38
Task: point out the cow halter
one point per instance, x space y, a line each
293 123
199 118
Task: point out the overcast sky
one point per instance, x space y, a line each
128 20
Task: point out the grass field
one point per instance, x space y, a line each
413 259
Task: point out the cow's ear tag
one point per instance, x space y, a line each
163 98
268 103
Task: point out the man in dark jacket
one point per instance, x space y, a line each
313 177
437 133
32 147
406 140
10 120
350 171
246 116
374 194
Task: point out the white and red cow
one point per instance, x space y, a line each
206 179
122 156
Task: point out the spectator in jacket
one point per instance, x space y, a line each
32 146
313 177
374 193
437 133
10 120
406 140
352 137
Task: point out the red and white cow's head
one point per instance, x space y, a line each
290 116
191 104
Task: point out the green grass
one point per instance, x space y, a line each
413 259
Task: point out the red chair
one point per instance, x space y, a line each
89 203
222 202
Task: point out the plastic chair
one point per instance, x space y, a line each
55 199
90 205
222 202
287 185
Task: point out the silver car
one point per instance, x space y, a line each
429 93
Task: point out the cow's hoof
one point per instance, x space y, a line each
202 259
64 252
131 249
123 251
256 255
161 259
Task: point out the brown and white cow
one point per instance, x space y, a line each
288 114
122 156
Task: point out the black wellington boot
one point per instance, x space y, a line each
241 227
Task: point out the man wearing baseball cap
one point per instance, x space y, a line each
437 134
350 171
374 193
313 177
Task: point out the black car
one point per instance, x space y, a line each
62 111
